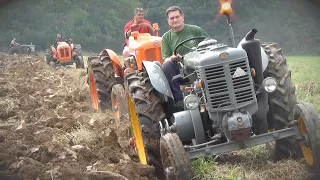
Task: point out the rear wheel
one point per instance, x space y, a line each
281 102
48 56
101 80
15 50
145 113
79 62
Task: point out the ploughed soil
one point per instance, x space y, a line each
49 130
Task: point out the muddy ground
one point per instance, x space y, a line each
48 129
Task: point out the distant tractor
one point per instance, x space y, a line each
65 54
234 98
28 49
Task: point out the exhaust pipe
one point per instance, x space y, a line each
253 48
250 35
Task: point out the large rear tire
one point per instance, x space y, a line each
281 102
149 112
15 50
79 62
48 55
79 58
101 79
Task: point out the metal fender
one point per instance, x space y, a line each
157 78
113 56
264 56
115 60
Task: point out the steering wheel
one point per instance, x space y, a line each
187 40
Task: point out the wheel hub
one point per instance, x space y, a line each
132 144
115 107
169 172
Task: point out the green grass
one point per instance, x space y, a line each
306 76
254 162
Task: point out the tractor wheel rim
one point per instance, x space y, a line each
94 93
167 160
306 151
115 107
135 125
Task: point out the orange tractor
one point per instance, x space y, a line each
112 82
106 70
65 54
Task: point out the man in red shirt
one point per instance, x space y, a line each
137 24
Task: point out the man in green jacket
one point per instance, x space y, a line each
179 32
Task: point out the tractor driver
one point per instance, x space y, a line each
178 32
59 39
137 24
14 43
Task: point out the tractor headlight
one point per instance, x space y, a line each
269 84
191 102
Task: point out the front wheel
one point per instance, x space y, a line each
309 127
27 51
119 103
174 158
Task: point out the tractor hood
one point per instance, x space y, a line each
209 52
143 41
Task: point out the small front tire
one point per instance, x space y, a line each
309 127
174 158
119 103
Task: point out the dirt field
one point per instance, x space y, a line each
48 129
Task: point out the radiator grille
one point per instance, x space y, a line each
217 87
64 52
242 84
222 89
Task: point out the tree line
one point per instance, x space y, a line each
98 24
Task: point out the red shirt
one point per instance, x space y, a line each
138 28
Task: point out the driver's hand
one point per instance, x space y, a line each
144 25
176 57
133 26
